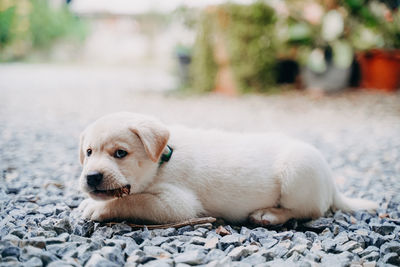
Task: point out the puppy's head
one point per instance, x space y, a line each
120 153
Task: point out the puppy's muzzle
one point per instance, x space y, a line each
94 178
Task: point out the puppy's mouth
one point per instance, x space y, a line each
114 193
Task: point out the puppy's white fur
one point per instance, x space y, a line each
267 177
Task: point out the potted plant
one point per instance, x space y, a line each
320 36
376 37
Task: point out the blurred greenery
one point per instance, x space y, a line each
248 34
203 69
26 25
250 40
6 18
48 24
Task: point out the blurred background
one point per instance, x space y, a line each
229 47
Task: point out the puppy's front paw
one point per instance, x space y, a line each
94 210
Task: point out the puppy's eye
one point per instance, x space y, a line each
119 154
89 152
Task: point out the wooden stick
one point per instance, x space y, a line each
193 221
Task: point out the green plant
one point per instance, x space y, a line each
203 68
48 24
34 24
250 42
374 24
6 19
248 36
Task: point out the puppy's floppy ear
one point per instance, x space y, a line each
154 136
81 153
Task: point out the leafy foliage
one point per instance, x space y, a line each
250 40
203 66
6 19
248 32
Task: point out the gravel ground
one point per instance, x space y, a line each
39 127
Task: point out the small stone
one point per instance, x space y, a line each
318 225
62 238
121 228
188 247
113 254
214 254
34 262
207 226
238 252
102 232
211 243
349 246
328 245
158 240
96 260
368 250
268 242
38 242
392 258
84 228
161 263
156 252
389 247
193 233
191 257
283 235
373 256
228 240
198 240
168 232
311 235
184 229
11 251
341 238
222 231
254 259
383 229
369 264
300 248
135 256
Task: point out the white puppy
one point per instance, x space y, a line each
135 167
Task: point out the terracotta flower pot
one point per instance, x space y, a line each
380 70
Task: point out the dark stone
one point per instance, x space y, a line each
368 250
372 256
10 251
83 228
121 228
113 254
184 229
392 258
390 247
383 229
228 240
268 242
317 225
283 235
102 232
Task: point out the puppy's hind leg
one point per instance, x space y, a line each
270 216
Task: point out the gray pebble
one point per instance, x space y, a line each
191 257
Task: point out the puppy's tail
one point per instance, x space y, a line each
341 202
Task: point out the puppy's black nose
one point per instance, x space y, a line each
94 178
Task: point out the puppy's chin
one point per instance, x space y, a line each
100 196
110 193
